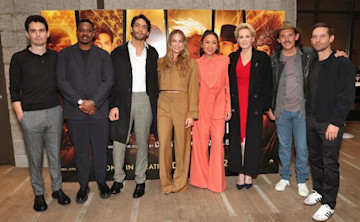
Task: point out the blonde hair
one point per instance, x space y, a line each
244 26
183 60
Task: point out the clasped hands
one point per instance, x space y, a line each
88 107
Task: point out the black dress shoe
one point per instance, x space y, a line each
116 187
139 190
62 198
82 194
104 190
240 186
248 185
40 204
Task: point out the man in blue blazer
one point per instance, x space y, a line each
85 77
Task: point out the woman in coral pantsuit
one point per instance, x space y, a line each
207 171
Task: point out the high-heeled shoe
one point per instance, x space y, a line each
248 185
240 186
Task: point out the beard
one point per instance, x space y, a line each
137 37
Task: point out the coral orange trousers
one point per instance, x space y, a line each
207 170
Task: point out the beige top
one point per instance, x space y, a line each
174 80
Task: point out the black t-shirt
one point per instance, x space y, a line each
85 55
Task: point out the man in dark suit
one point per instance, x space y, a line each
85 77
133 99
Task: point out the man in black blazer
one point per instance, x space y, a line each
133 99
85 77
330 94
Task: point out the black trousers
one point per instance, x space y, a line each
84 133
324 160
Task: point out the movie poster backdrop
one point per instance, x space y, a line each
110 33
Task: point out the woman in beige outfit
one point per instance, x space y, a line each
177 109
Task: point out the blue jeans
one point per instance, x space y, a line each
292 123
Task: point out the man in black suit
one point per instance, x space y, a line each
133 99
85 77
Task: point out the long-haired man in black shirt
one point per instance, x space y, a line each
36 103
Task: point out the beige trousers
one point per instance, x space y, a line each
172 113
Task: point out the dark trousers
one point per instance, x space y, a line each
84 133
324 160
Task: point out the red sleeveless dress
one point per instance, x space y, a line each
243 80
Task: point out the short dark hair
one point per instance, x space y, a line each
141 16
323 25
104 30
206 33
85 20
35 18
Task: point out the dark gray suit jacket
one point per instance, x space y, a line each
77 80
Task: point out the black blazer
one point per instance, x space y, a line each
335 91
259 101
122 90
77 80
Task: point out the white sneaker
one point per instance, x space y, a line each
303 190
347 136
281 185
313 198
323 213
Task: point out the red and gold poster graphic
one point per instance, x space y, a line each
108 27
62 27
265 23
157 37
193 23
225 24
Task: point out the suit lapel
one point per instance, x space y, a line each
218 70
78 57
147 64
201 74
92 59
127 56
253 69
234 63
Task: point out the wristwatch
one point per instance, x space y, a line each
79 102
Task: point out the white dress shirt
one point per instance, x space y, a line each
138 66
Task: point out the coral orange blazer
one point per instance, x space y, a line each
214 94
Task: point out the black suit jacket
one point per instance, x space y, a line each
335 91
122 90
259 100
77 80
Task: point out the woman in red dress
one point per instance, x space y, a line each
250 88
